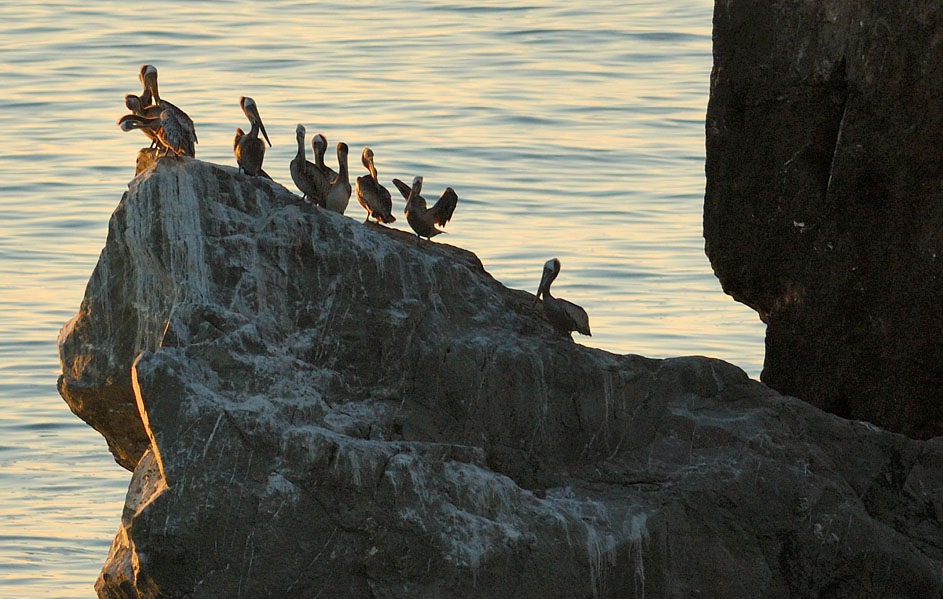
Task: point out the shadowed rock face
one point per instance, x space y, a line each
824 203
314 407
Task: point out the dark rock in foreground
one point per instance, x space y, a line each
318 408
824 204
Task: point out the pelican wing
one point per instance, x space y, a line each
178 131
375 199
402 187
185 121
320 180
305 175
442 211
577 315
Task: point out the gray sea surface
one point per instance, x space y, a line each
569 129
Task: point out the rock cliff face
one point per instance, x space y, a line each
313 407
824 204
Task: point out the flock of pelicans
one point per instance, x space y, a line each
171 131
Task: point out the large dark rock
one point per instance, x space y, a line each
331 410
824 203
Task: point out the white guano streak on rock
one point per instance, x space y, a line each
636 530
184 230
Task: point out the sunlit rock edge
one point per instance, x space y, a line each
315 407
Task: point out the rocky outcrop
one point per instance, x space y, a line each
824 203
329 409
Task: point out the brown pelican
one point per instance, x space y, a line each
178 130
423 220
249 149
306 175
338 193
563 315
374 198
319 147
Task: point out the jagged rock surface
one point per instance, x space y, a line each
327 409
824 204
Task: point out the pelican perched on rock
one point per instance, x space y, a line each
179 134
338 193
563 315
423 220
249 149
305 174
374 198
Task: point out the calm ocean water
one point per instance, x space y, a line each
569 129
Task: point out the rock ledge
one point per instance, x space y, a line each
314 407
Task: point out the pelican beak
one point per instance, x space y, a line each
544 284
262 129
150 84
254 117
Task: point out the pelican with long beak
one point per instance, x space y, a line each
374 198
424 220
305 174
178 130
563 315
338 193
249 149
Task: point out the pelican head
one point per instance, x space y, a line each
251 111
319 147
130 122
148 77
342 151
134 103
300 131
367 159
414 190
551 270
